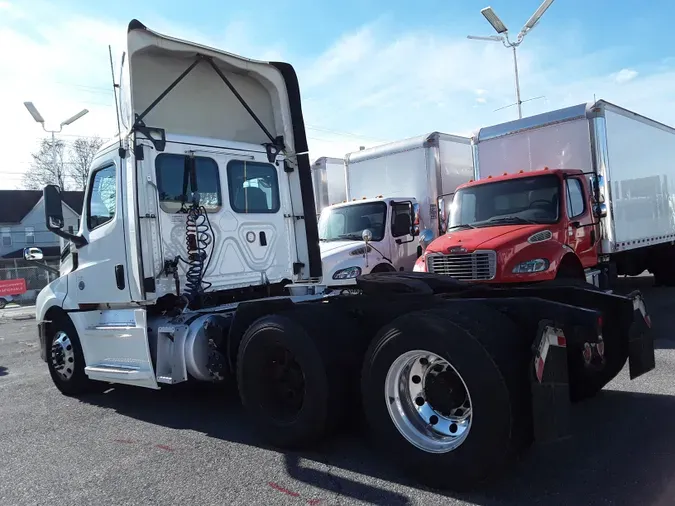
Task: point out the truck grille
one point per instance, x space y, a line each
479 265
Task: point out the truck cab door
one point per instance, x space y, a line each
403 249
581 233
101 273
114 341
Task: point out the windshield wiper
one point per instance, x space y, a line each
351 237
463 225
506 219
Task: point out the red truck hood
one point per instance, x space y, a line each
484 238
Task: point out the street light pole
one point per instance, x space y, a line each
503 37
39 119
515 69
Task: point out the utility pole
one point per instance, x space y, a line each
503 37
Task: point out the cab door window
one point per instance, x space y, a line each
175 182
575 198
253 187
400 219
102 201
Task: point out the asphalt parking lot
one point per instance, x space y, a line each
178 446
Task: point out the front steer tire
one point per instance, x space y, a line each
305 355
486 349
70 379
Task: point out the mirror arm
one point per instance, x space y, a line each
49 268
78 240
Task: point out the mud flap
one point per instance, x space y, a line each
549 383
640 340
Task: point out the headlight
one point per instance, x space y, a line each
348 273
420 265
536 265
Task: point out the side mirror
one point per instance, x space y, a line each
600 210
415 220
53 208
31 254
51 196
442 214
367 235
426 236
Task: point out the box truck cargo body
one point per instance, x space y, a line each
328 180
414 177
618 176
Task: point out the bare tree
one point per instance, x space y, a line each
48 167
81 155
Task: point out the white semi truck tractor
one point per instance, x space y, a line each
198 259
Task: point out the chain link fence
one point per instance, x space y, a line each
36 277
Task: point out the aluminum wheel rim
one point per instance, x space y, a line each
418 417
63 356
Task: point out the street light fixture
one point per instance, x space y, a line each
34 112
494 20
39 119
72 119
503 37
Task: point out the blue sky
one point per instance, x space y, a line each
370 71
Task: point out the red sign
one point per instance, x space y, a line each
13 286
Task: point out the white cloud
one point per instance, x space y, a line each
370 86
625 75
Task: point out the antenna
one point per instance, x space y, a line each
522 102
117 109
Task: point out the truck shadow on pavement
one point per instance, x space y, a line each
3 371
622 451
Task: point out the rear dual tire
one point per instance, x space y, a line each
477 347
481 348
296 374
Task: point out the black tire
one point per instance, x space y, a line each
570 271
78 383
490 354
3 303
318 343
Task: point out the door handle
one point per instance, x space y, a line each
263 238
119 276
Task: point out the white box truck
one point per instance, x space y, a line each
587 191
197 260
393 191
328 180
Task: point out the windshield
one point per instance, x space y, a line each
347 223
524 200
